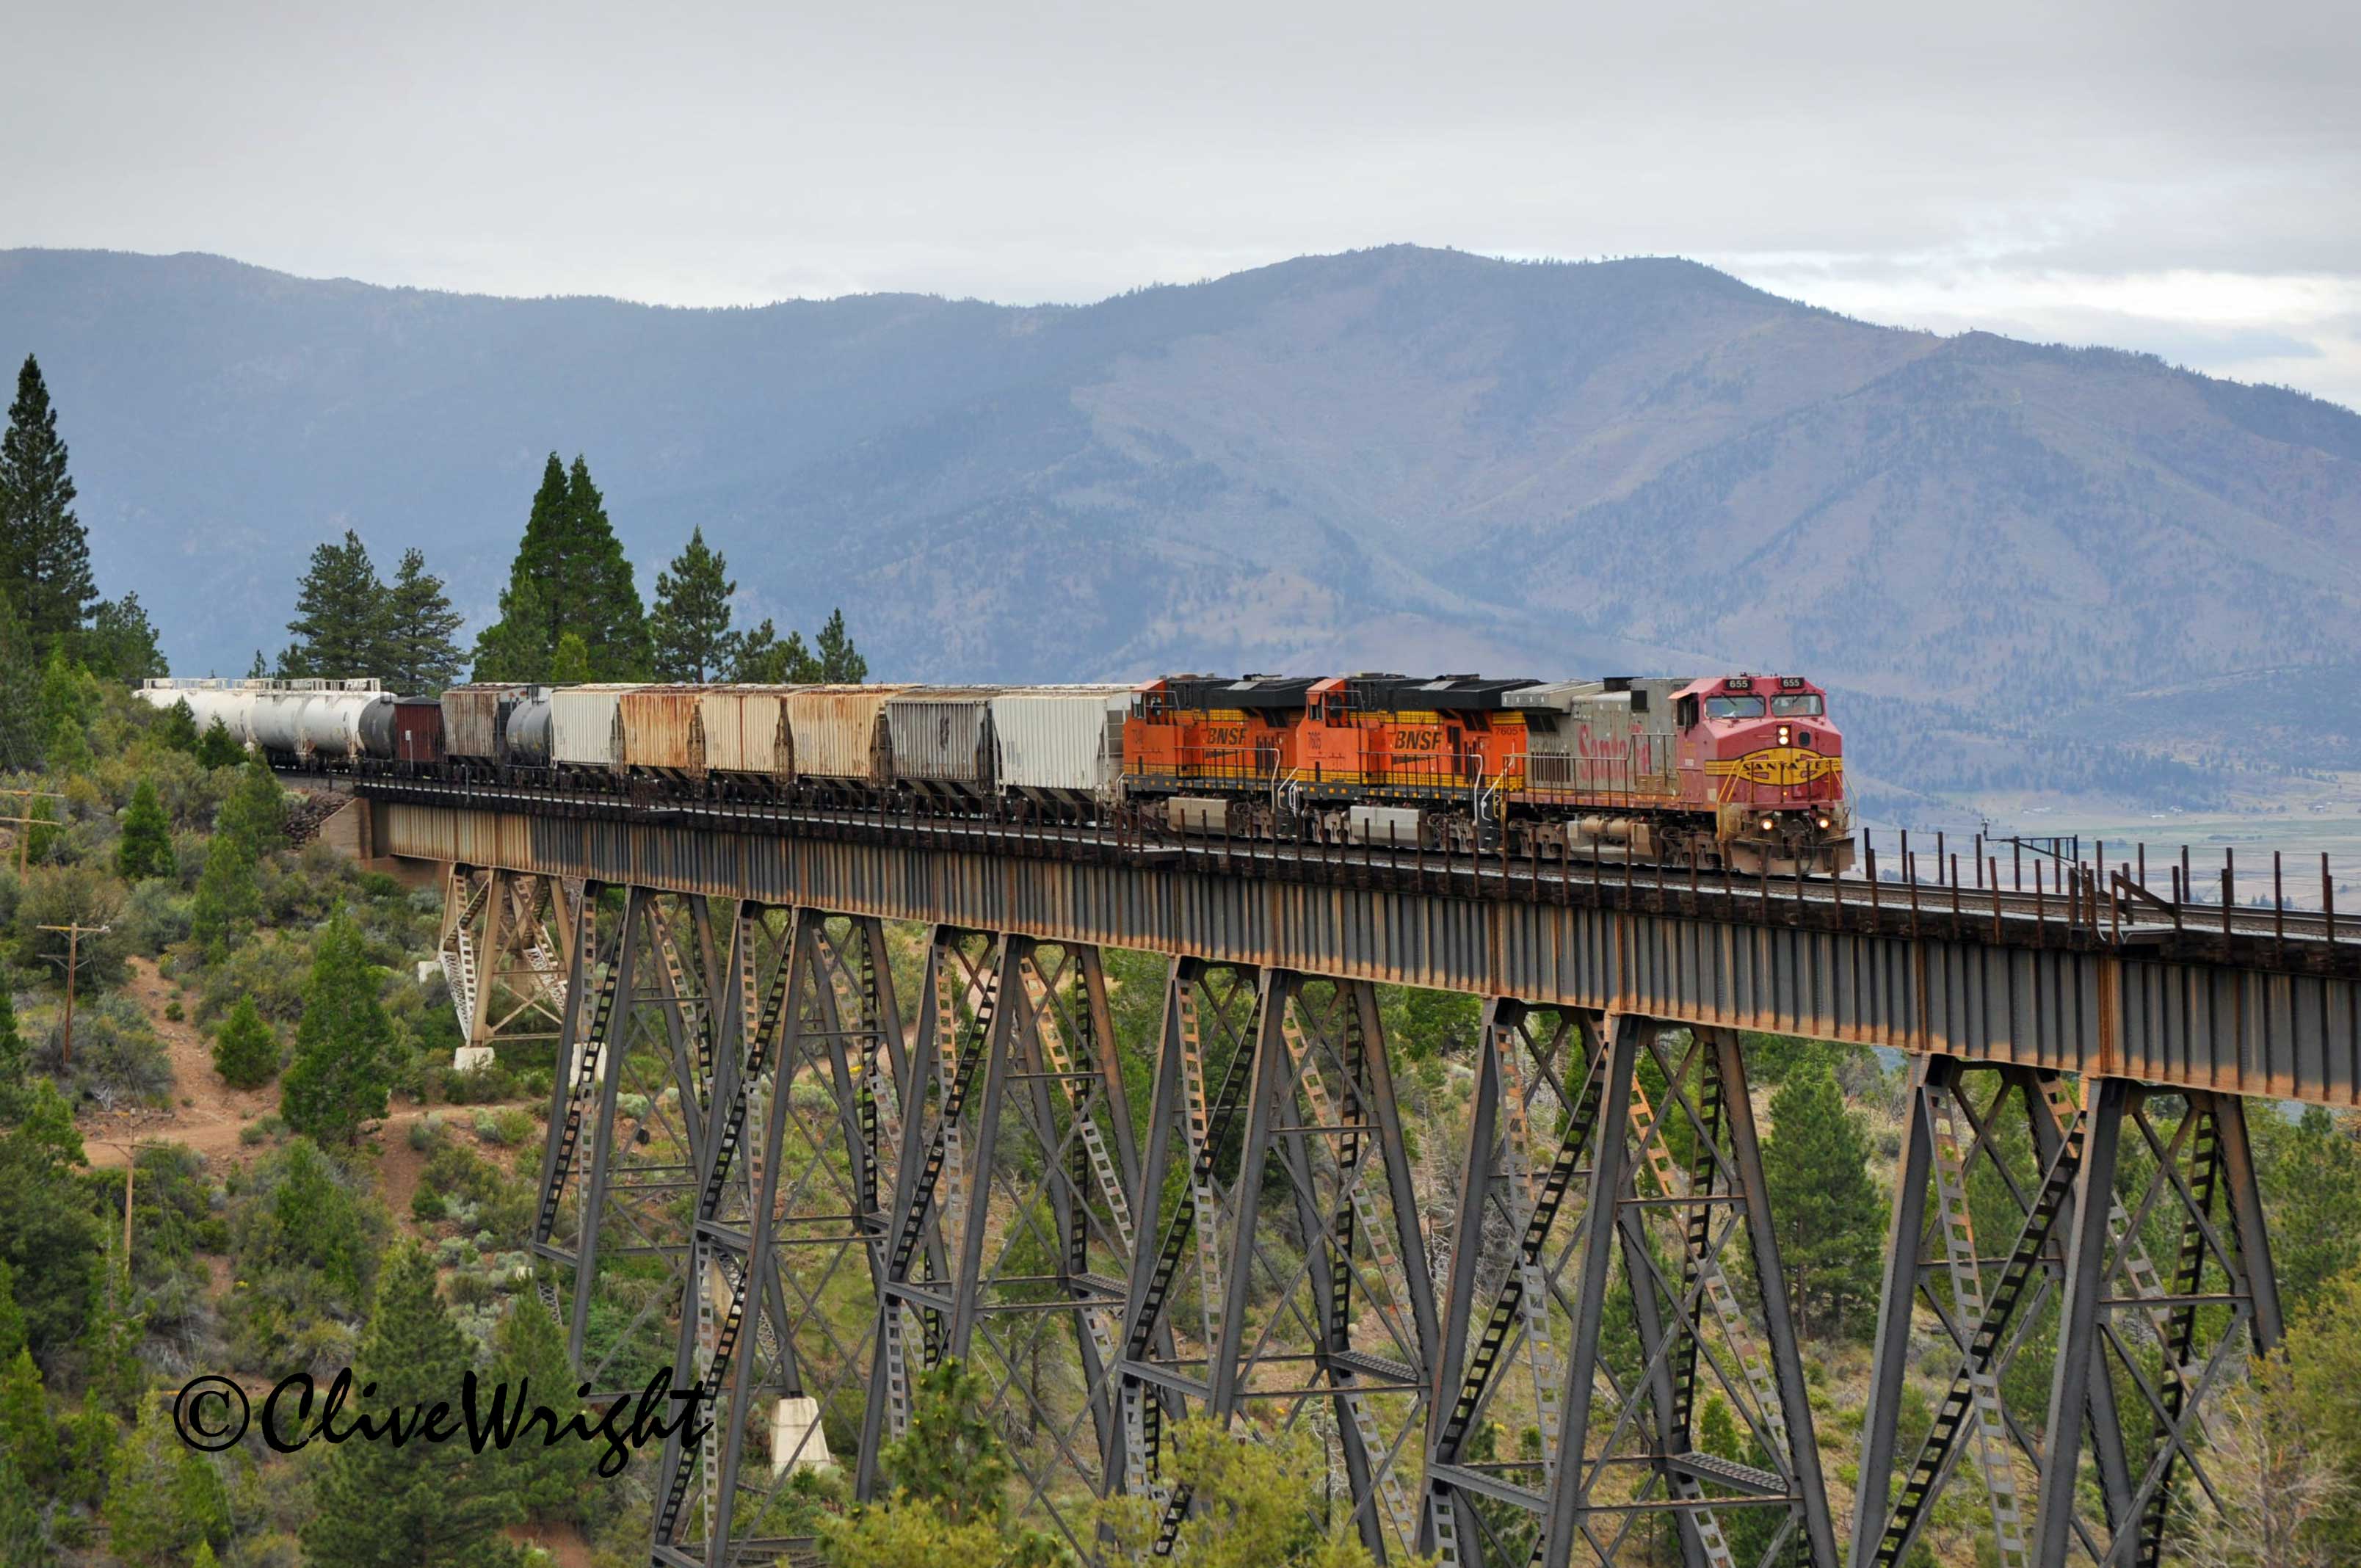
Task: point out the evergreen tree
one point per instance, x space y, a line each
47 551
340 615
950 1455
87 1441
226 896
840 662
552 1481
1830 1219
764 660
570 574
25 1427
341 1075
571 667
65 715
22 1542
145 849
121 643
260 669
217 748
111 1375
246 1051
21 738
2315 1171
176 728
12 1316
256 812
48 1236
689 627
162 1496
419 656
417 1505
14 1065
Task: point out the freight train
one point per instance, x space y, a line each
1744 773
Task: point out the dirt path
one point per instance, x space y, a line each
216 1113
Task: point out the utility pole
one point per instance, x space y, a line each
130 1176
75 931
24 820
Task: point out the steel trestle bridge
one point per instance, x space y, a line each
796 1181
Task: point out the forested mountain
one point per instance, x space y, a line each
1398 457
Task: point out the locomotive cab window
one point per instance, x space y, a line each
1733 707
1800 704
1685 712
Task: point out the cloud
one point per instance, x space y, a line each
2165 166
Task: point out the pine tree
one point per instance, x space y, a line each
217 748
256 812
226 896
121 643
570 574
764 660
840 663
689 627
146 848
952 1455
20 683
1830 1220
551 1480
163 1496
176 728
112 1334
571 666
47 551
89 1440
25 1430
14 1065
64 714
341 1075
417 1505
340 615
22 1542
260 669
12 1316
419 654
246 1051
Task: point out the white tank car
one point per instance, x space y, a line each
301 719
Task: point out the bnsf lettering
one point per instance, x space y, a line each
1226 734
1418 740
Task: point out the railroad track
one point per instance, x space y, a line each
2090 910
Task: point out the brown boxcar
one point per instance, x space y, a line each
839 733
663 730
417 730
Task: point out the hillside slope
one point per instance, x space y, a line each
1403 457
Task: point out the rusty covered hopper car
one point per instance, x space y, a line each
746 731
476 718
662 729
838 733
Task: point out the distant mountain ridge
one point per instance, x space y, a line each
1395 457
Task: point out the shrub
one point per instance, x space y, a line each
156 917
478 1085
116 1055
426 1204
174 1012
515 1127
426 1132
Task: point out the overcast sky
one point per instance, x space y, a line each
2178 177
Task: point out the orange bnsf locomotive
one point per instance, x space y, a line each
1740 772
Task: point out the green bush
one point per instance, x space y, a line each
478 1085
116 1058
426 1204
246 1051
174 1012
426 1132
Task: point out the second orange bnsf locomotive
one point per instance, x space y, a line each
1740 772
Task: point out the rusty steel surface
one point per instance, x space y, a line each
2235 1014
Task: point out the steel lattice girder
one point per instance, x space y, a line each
2226 1015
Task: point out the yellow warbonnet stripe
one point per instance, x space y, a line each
1778 765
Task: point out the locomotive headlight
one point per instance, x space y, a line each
1769 823
1785 733
1823 820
